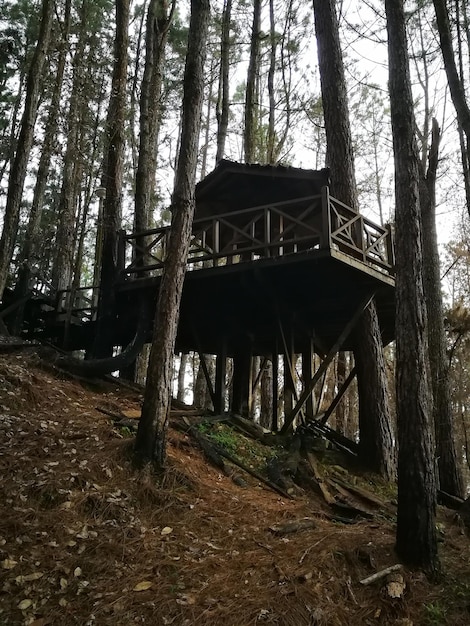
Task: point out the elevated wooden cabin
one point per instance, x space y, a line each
276 266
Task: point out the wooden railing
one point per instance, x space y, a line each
79 303
271 230
267 231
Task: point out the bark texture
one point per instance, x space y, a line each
224 93
416 527
158 23
24 145
112 180
150 445
456 86
249 138
450 475
375 430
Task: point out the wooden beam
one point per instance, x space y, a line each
326 362
339 396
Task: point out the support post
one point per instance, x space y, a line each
242 386
325 363
275 391
307 373
220 375
326 219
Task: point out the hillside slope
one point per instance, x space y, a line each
85 539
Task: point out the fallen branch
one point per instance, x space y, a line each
381 574
306 523
220 451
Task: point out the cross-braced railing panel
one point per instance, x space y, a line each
359 237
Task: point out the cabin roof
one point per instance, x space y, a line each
233 186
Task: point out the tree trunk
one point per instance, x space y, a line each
450 477
31 242
249 135
416 519
64 248
271 139
113 172
181 393
158 22
375 434
150 445
340 413
456 86
24 145
375 416
223 95
266 396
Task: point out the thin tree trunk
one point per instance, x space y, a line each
249 136
158 23
223 95
450 477
24 145
271 141
374 410
456 86
182 377
113 172
416 518
150 445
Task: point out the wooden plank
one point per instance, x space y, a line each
329 499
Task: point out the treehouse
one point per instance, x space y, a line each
276 267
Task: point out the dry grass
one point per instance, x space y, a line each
85 539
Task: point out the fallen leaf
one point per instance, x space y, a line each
29 577
143 585
166 531
8 564
25 604
77 572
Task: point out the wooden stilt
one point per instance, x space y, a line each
307 373
327 360
275 390
241 393
220 375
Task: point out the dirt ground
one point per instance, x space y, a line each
85 539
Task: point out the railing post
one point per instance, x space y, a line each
267 230
390 242
361 238
325 243
216 239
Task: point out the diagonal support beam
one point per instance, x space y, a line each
325 363
339 395
202 361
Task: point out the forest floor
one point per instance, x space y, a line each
86 539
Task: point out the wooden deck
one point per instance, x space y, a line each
294 270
